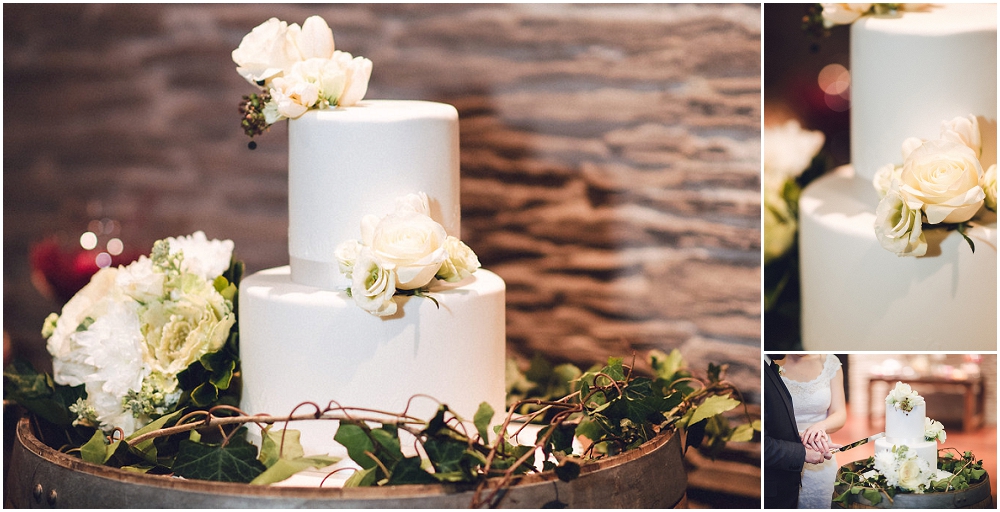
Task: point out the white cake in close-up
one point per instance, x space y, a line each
303 338
906 428
910 72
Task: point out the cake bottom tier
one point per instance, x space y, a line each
858 296
926 450
299 343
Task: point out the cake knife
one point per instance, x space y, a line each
856 444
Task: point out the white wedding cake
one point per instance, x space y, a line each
911 72
905 425
322 329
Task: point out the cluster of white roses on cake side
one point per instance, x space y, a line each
902 468
941 182
128 333
788 151
845 14
299 68
934 431
402 252
903 397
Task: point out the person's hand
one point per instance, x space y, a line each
815 457
816 438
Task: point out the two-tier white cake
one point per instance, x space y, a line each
302 337
909 73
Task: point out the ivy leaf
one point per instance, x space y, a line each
361 478
872 495
715 404
568 470
147 449
284 468
387 439
666 366
37 393
358 444
234 462
445 455
482 420
408 471
97 450
271 447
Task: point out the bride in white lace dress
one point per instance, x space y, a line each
816 384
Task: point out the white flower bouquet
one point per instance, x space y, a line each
941 183
902 468
402 252
903 397
145 338
934 431
297 69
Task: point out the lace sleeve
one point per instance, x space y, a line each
830 367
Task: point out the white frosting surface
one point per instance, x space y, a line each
901 425
858 296
913 71
301 343
346 163
926 450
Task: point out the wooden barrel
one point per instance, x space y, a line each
976 496
651 476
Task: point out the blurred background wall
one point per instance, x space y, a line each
609 155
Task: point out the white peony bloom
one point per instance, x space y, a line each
461 262
413 243
898 227
267 52
885 178
373 284
203 257
942 177
989 184
140 280
843 14
357 72
964 130
788 149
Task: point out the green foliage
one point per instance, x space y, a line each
38 393
235 461
965 470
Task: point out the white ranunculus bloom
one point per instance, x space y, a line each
315 40
461 262
898 227
373 284
346 254
357 70
414 244
842 14
788 149
989 184
942 177
885 177
140 280
267 51
203 257
964 130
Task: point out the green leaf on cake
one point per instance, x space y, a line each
234 462
482 420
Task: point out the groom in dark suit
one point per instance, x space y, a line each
784 453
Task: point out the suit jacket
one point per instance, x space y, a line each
784 453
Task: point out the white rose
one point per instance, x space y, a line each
842 14
357 71
942 177
788 149
885 177
461 262
203 257
373 284
780 225
291 98
989 184
934 430
315 40
914 474
346 254
898 227
417 203
909 145
964 130
266 52
413 243
140 280
324 74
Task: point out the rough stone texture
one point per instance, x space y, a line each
610 154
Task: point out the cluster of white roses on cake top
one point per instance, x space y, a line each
299 68
402 252
903 397
128 333
941 182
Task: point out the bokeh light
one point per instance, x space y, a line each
115 247
88 240
103 260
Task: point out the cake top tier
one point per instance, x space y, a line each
935 20
384 111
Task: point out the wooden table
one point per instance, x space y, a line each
973 406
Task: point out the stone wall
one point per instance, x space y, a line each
610 154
